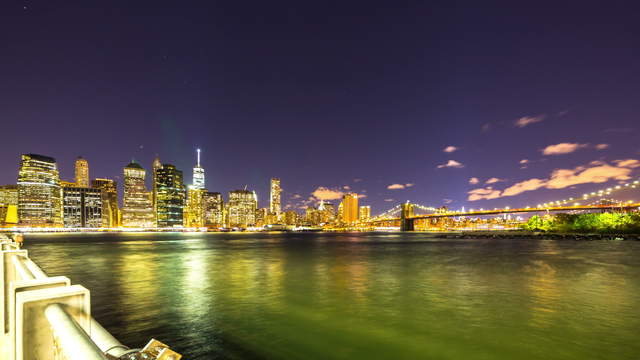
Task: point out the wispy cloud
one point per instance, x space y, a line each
493 180
602 146
562 148
451 164
399 186
487 193
395 187
324 193
474 180
524 161
450 149
528 120
388 200
595 172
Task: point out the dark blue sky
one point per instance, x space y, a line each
322 93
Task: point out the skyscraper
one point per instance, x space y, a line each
242 208
82 172
365 213
8 205
198 174
154 191
109 201
350 208
213 210
138 208
170 196
195 207
274 204
82 207
39 194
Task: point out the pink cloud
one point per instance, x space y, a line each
483 194
323 193
395 187
594 173
602 146
493 180
451 164
528 120
450 149
528 185
474 180
562 148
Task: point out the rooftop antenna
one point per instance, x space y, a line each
245 187
198 151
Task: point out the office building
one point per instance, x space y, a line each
82 207
39 194
110 208
137 210
365 213
291 218
170 196
82 172
8 205
195 207
274 198
198 174
350 208
213 210
241 211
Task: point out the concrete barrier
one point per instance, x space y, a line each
48 318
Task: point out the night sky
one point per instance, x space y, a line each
330 96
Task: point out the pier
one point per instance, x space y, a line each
49 318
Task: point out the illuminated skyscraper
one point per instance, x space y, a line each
39 194
350 208
291 218
326 212
82 207
170 196
110 208
274 204
82 172
137 210
198 174
365 213
155 166
242 208
8 205
195 207
213 210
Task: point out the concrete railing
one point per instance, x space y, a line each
47 318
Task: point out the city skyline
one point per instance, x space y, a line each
500 123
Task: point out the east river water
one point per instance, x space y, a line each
357 296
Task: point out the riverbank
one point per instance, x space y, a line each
533 235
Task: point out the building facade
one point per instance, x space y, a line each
39 194
350 208
82 172
364 213
82 207
274 198
214 210
170 196
137 210
198 174
8 205
241 210
110 207
195 207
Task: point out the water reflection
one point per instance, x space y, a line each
351 296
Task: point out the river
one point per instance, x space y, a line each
357 295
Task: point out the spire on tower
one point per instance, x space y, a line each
198 150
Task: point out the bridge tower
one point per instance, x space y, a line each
406 214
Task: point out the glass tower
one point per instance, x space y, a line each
39 194
170 196
82 172
198 174
138 208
